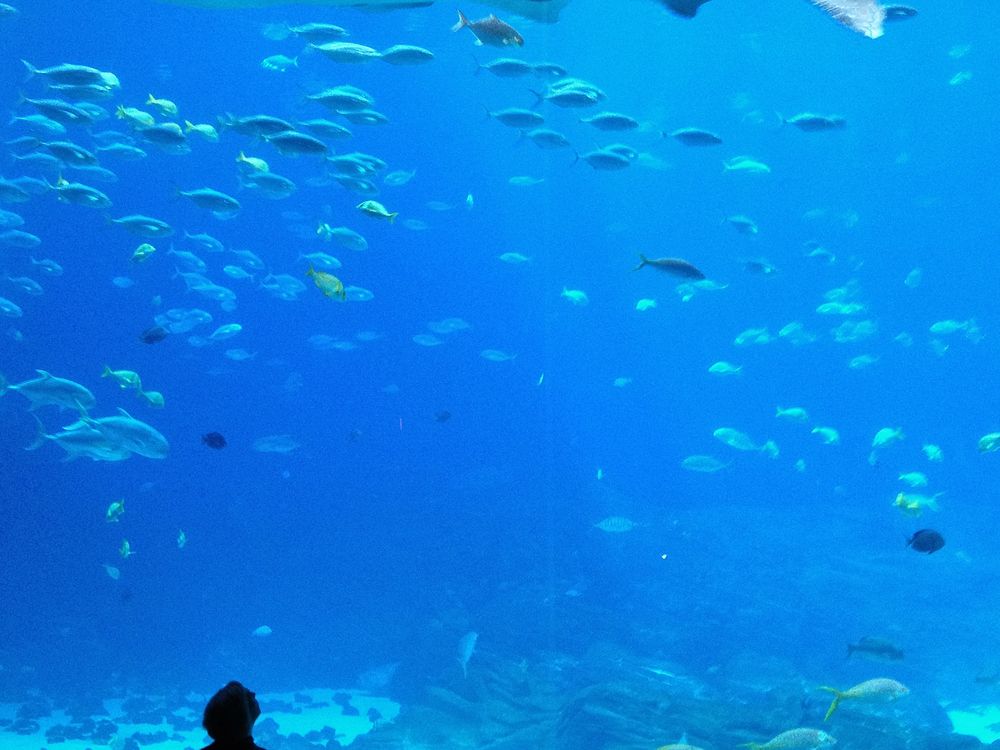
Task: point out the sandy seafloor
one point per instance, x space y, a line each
299 717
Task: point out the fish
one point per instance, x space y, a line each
490 30
703 464
127 433
880 688
406 54
694 137
80 440
327 283
800 738
813 123
466 647
617 525
153 335
611 121
896 12
675 266
926 540
214 440
683 8
221 205
49 390
742 442
876 648
505 67
263 631
864 16
283 444
346 52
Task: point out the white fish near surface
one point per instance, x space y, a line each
466 647
262 631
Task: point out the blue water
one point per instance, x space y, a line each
389 547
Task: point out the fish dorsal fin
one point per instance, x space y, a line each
125 413
44 374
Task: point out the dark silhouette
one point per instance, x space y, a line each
214 440
229 717
153 335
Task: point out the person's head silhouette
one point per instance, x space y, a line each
230 713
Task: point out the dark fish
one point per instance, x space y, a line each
153 335
898 12
695 137
875 647
490 30
442 416
685 8
214 440
811 123
676 266
926 540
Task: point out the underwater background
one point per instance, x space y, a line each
434 492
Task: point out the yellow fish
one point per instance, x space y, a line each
329 284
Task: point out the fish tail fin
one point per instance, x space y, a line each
462 22
32 70
392 216
539 97
107 372
850 650
150 99
188 126
643 260
40 435
837 695
489 115
781 118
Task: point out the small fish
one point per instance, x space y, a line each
490 30
466 647
703 464
576 296
377 210
676 266
263 631
214 440
181 539
617 525
115 511
876 648
279 63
